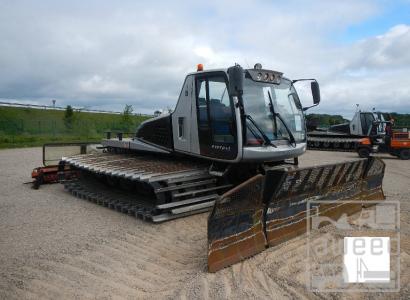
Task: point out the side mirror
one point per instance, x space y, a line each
314 86
235 80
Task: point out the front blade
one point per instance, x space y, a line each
270 209
235 225
292 189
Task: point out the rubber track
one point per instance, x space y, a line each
330 149
312 142
156 189
124 203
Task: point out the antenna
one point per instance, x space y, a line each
246 61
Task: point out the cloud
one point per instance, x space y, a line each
373 72
386 51
103 54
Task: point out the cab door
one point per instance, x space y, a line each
217 134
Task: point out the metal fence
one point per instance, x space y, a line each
36 106
54 127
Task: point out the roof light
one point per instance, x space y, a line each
199 67
257 66
265 75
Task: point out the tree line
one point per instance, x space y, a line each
127 122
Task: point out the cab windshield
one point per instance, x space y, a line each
257 97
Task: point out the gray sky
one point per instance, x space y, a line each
105 54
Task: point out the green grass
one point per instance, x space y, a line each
28 127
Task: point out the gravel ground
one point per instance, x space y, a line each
54 246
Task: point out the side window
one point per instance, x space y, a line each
218 91
181 133
202 104
220 111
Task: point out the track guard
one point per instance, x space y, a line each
269 209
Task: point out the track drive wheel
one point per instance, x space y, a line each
405 153
364 152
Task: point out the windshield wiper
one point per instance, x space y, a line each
267 141
272 111
291 137
275 114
